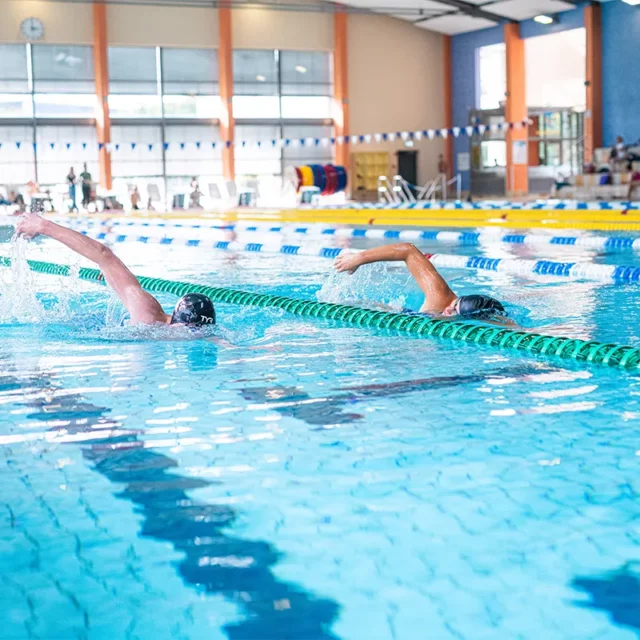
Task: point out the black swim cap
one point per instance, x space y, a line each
194 309
478 306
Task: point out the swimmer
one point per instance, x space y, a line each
439 300
193 309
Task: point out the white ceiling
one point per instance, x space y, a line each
444 16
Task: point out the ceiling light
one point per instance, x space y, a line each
301 69
633 3
261 79
545 19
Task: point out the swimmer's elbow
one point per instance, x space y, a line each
104 255
406 250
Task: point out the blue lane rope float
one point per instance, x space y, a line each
466 238
611 274
612 355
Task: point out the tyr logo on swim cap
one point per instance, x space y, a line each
194 309
477 306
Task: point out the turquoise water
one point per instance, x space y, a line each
292 478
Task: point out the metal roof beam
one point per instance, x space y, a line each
468 9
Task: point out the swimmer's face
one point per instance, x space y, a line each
452 309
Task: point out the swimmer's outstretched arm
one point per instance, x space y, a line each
142 306
438 294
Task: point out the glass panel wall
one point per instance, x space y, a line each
134 86
190 156
17 165
62 147
173 94
63 83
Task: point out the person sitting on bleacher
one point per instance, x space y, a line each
618 152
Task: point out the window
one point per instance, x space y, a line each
492 76
134 106
63 69
17 164
206 107
14 74
190 72
63 81
190 151
61 105
306 73
133 83
309 152
13 105
62 147
255 84
255 73
133 71
136 151
307 107
254 160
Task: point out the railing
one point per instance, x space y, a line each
401 191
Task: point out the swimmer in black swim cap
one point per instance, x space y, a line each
194 309
439 300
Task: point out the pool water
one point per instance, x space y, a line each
295 478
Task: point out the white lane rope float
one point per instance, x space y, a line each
570 270
465 238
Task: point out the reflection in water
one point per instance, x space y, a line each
214 561
617 593
328 410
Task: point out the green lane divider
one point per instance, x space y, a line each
612 355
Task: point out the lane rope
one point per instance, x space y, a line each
611 274
467 238
592 352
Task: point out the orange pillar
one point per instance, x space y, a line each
448 101
517 179
225 73
593 115
101 72
340 86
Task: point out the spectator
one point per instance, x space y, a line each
618 152
150 206
18 200
135 199
85 176
71 180
194 198
443 167
633 184
3 201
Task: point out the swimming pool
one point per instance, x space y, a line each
295 478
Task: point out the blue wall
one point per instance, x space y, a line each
620 71
464 83
464 58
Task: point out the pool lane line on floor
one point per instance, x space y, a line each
415 325
159 494
608 274
467 238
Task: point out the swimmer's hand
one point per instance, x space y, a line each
31 226
349 262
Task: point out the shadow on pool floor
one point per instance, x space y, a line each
617 593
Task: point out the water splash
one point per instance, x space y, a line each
369 286
18 300
25 301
